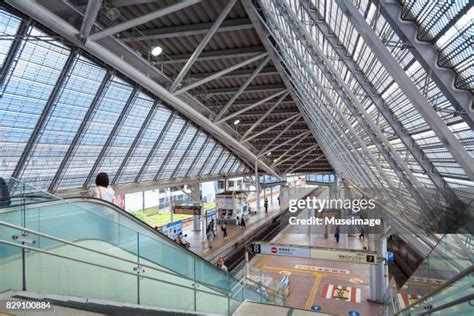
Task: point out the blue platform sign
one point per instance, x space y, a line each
353 313
316 308
172 230
390 256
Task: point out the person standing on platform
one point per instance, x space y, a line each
213 228
224 230
278 200
242 222
209 235
237 221
337 233
362 233
265 204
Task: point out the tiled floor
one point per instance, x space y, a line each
319 282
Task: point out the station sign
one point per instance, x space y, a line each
335 254
280 250
344 255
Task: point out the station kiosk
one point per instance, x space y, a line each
230 205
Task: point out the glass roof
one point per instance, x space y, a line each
64 118
337 77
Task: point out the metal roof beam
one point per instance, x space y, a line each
250 107
278 136
237 73
409 88
220 73
278 161
270 128
377 100
300 137
93 7
427 54
259 88
213 55
241 89
264 116
189 30
357 110
141 19
136 68
202 45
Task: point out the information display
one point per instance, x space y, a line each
315 253
187 209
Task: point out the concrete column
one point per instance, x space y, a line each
344 213
378 272
196 193
143 201
257 187
271 195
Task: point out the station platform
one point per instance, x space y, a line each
234 232
314 283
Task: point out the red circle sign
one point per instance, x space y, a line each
274 250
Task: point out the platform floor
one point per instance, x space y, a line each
316 282
233 231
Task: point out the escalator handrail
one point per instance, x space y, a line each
67 242
9 243
148 228
446 284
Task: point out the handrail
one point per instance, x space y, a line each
146 226
273 291
449 304
104 267
457 277
2 223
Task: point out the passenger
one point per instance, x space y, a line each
362 233
278 200
221 264
5 199
242 222
265 204
209 235
237 221
184 242
102 190
213 228
224 230
337 233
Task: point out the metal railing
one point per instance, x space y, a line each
438 290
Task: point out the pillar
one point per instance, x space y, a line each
257 187
344 213
143 201
271 195
196 193
378 272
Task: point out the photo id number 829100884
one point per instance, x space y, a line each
25 305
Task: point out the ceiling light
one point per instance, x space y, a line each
156 51
236 122
269 153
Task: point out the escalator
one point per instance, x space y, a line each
443 284
90 248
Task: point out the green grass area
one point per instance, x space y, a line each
152 218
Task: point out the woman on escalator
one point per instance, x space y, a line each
102 190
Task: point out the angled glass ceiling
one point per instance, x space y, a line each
64 118
369 127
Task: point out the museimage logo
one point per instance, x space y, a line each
354 205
